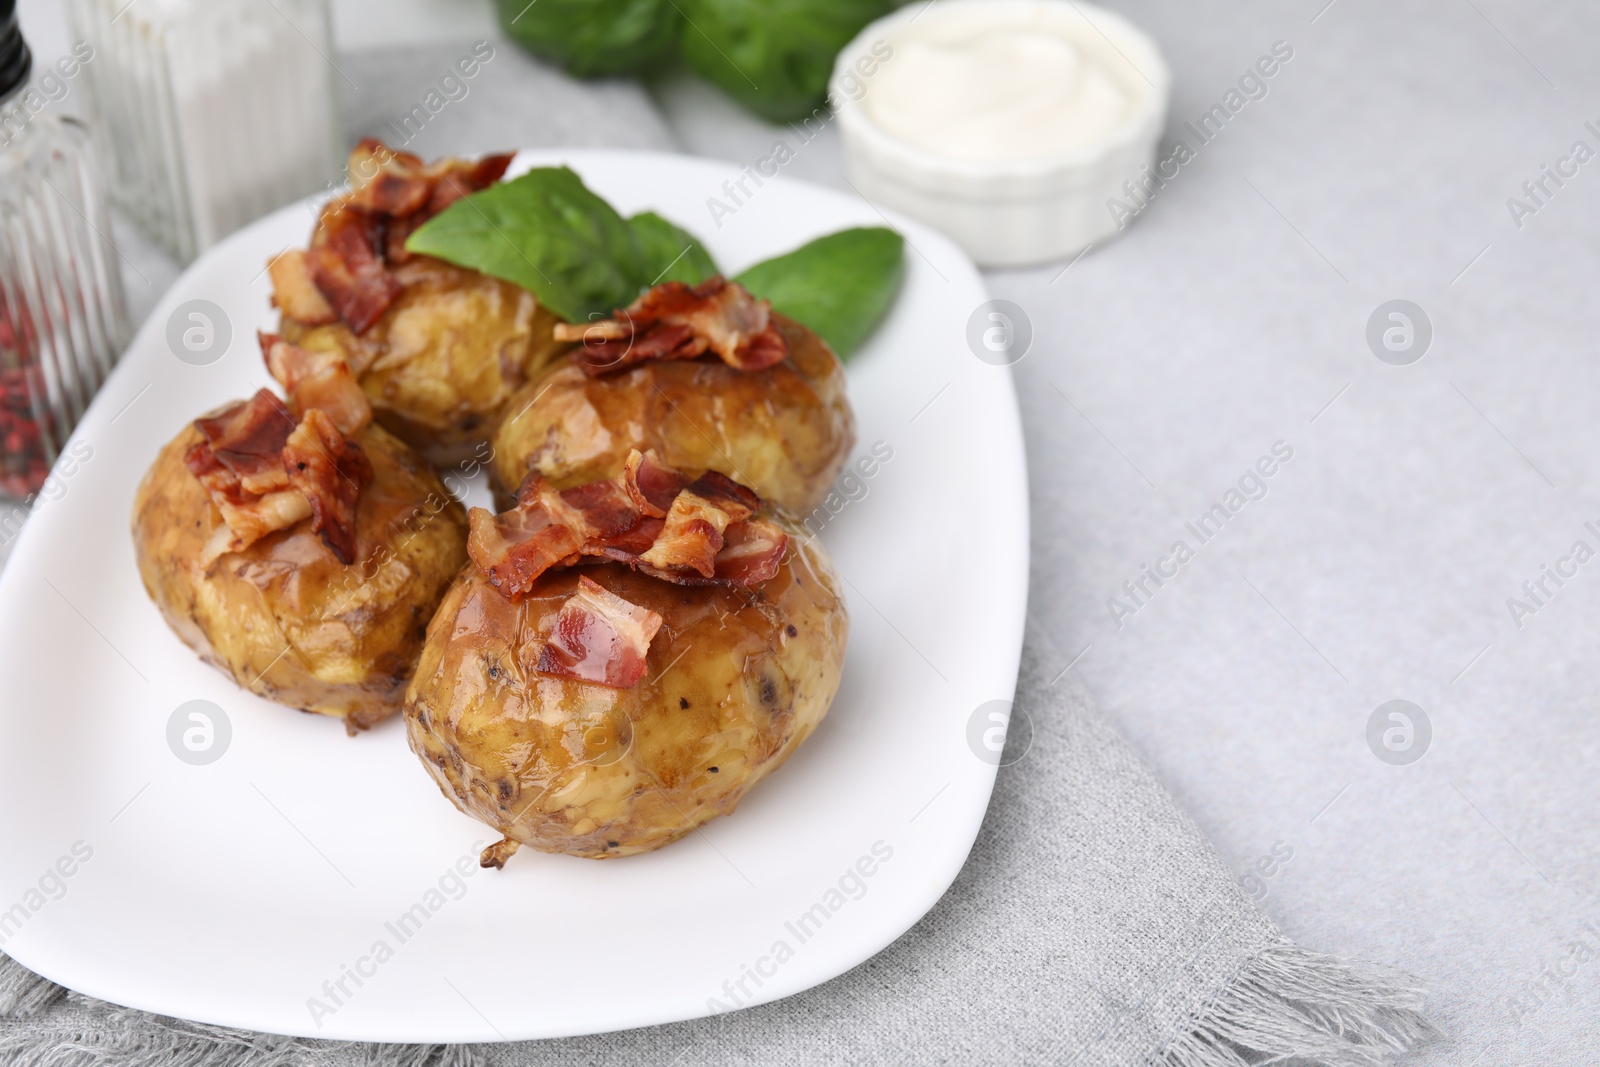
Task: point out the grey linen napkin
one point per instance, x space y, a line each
1092 924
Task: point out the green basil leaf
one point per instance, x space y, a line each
593 37
547 232
773 56
671 254
839 285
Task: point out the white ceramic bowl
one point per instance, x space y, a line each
1005 212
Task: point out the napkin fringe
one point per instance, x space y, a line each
1288 1003
23 993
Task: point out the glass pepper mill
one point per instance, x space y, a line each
63 321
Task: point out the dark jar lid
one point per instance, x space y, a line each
16 62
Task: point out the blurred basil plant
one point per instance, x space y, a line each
773 56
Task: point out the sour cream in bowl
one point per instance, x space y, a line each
1008 124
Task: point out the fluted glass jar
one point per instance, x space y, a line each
63 321
209 113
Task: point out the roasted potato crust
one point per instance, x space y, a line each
444 358
785 431
284 617
737 680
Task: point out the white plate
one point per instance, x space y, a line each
231 892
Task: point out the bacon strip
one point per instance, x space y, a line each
265 473
245 524
725 493
345 274
652 486
397 189
514 548
678 321
239 456
547 528
295 294
317 380
599 637
456 178
691 536
398 184
330 470
651 518
605 509
239 463
751 552
347 268
370 160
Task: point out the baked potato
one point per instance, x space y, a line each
785 430
614 745
302 558
439 349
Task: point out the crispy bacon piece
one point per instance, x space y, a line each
599 637
247 482
247 429
512 549
295 294
751 552
396 195
678 321
547 528
628 546
605 509
345 275
386 182
394 239
652 486
317 380
458 177
691 537
239 456
399 184
728 495
346 266
330 470
370 159
264 473
243 525
650 517
239 461
449 181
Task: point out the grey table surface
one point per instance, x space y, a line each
1233 315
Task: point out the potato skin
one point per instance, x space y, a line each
737 680
442 361
785 431
352 633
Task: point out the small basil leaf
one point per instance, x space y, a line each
773 56
839 285
594 37
547 232
671 254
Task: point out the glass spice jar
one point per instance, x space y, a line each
63 321
208 114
